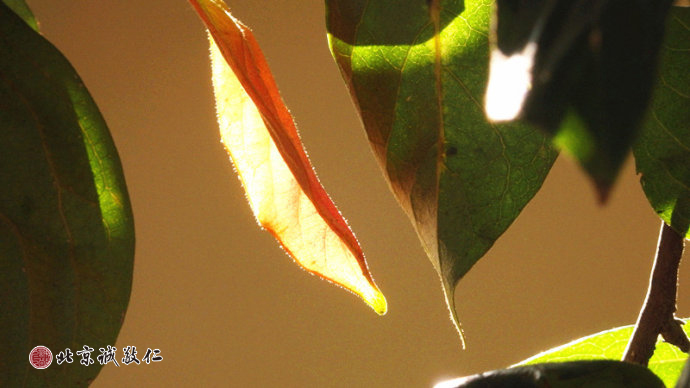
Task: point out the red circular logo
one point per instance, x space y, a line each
40 357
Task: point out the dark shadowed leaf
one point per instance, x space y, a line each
582 70
574 374
22 9
417 73
662 153
66 228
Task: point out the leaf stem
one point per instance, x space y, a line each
658 313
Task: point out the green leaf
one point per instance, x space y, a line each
417 73
574 374
66 227
22 9
666 363
684 380
583 71
662 153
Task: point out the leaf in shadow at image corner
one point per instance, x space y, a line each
662 152
573 374
416 71
581 70
66 227
667 361
259 134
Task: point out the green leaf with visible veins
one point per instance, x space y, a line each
66 227
417 72
667 361
662 153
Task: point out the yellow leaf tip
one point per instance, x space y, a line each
377 301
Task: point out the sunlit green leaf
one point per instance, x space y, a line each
666 363
66 227
662 153
582 70
684 380
417 73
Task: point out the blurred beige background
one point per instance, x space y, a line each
228 308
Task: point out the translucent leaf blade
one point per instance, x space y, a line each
282 188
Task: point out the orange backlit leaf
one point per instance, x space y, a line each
261 138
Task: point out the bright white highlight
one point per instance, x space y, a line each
452 383
510 78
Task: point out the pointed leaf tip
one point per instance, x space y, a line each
377 302
603 193
260 136
449 291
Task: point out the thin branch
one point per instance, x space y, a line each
658 313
